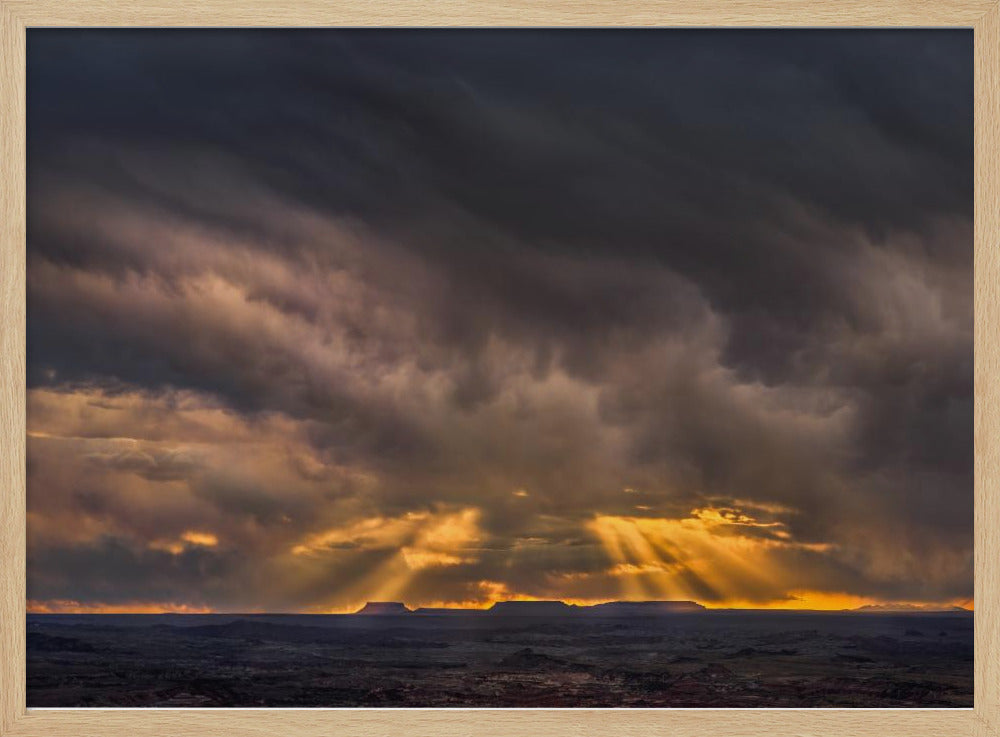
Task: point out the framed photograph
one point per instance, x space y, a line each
553 369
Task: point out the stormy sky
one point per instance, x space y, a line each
451 317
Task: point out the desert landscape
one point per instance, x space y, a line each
514 656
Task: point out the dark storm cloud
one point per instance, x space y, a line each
128 575
518 272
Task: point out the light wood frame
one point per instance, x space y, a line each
981 15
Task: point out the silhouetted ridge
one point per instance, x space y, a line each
643 608
531 608
448 611
546 609
383 608
894 608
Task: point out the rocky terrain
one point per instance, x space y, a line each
699 659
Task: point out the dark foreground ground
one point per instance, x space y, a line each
713 659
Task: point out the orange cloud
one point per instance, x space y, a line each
190 538
417 559
204 539
418 532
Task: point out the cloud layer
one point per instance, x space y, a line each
456 316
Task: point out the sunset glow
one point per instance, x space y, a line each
343 317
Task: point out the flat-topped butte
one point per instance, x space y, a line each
553 608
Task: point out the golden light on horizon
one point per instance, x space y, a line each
828 601
71 606
726 554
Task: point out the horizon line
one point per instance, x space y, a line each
694 607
